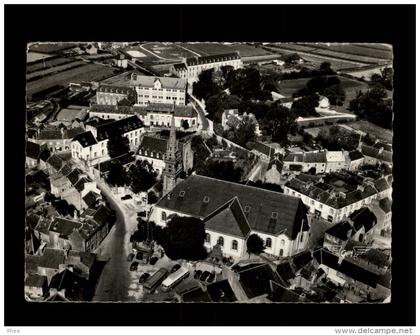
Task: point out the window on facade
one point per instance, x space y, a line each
282 242
221 241
234 245
163 216
207 238
330 218
268 242
301 237
281 252
181 194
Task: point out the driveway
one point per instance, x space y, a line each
201 112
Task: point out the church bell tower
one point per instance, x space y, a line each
173 161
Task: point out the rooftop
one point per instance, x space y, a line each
118 127
166 82
52 258
85 139
36 280
64 227
192 61
256 281
266 211
229 219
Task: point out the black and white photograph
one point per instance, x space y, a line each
263 178
209 172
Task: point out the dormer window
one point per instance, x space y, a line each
247 209
181 194
274 215
206 199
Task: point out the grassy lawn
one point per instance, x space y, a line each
89 72
373 130
170 51
290 86
50 48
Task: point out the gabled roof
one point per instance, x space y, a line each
85 139
66 169
346 267
381 184
102 215
229 219
80 184
52 258
266 211
285 271
33 150
377 153
192 61
91 198
153 144
257 281
177 110
70 282
263 148
302 259
115 89
355 155
166 82
385 204
75 175
64 227
221 291
340 230
363 217
118 127
58 134
36 280
32 220
282 294
56 162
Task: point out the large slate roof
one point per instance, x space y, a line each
266 211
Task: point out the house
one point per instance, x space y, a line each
316 161
83 262
153 150
355 159
166 90
56 139
190 68
60 230
273 174
377 154
36 155
51 262
383 211
112 95
280 220
335 196
264 151
69 285
219 291
91 146
55 163
36 286
351 274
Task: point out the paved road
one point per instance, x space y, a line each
114 282
201 113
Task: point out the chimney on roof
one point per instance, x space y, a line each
75 214
361 188
381 150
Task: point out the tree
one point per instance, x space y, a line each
225 170
183 238
337 138
152 198
141 176
255 244
205 86
117 175
118 145
216 104
373 106
279 121
185 124
305 106
245 132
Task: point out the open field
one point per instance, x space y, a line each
373 130
121 79
49 48
168 51
55 69
88 72
290 86
358 50
47 63
35 56
244 50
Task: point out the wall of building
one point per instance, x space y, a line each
107 98
146 95
227 245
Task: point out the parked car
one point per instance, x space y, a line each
211 277
126 197
139 256
134 266
204 275
153 260
130 257
175 268
197 274
144 277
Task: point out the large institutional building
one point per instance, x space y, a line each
231 212
190 68
91 146
158 90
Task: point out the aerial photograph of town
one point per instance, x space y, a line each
191 172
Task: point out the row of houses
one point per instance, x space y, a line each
335 196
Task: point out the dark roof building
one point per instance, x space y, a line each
229 219
118 127
221 291
33 150
266 211
52 258
86 139
257 280
193 61
64 227
56 162
355 155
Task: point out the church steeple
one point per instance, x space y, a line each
173 161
